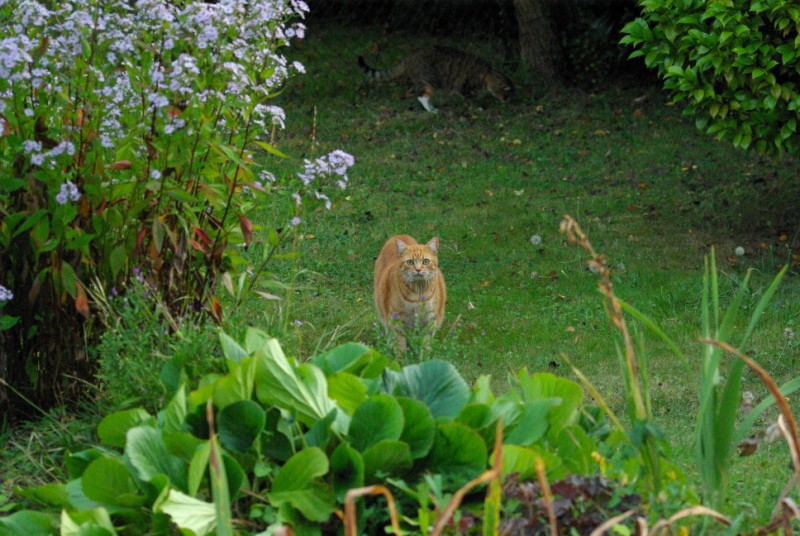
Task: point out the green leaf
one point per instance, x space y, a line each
219 488
295 484
301 389
69 278
435 383
27 523
171 418
231 349
94 522
113 428
544 386
189 513
457 450
239 425
354 358
146 451
379 418
108 481
270 149
347 470
419 428
198 466
47 494
117 259
520 460
347 390
532 423
386 457
575 447
236 385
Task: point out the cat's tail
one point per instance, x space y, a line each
387 74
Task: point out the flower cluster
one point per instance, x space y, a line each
68 192
5 294
333 165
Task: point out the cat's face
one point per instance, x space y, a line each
418 262
499 85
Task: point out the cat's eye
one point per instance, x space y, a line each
426 261
410 262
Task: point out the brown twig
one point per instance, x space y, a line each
598 264
350 526
547 496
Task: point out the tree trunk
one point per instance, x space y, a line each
537 41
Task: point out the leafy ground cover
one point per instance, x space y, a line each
493 181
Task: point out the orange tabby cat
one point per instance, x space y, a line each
408 284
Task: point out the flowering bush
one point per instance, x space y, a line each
128 133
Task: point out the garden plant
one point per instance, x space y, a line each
167 253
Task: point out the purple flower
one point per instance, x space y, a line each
296 221
5 294
68 192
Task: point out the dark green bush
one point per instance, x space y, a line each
735 65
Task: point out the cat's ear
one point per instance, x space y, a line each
433 245
401 246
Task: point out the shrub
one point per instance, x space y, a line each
127 139
735 65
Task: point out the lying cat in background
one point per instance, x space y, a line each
409 287
445 68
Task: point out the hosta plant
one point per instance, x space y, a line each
275 442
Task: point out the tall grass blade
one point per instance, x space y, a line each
652 326
219 479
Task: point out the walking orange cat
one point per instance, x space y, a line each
409 287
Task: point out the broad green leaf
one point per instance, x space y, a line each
436 383
301 389
347 469
419 427
531 424
255 339
230 348
234 475
108 481
172 417
520 460
182 444
95 522
116 259
113 428
379 418
457 450
347 390
543 386
189 513
476 416
146 451
237 385
295 484
27 523
388 457
239 425
351 357
47 494
575 447
198 466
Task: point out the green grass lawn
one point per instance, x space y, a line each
653 194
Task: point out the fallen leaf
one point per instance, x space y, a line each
268 296
570 329
470 307
119 164
485 284
519 192
489 193
81 301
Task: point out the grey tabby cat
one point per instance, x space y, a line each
444 68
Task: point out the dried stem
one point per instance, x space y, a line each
547 496
487 476
350 526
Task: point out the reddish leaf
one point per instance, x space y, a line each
139 238
216 309
202 235
5 126
81 301
120 164
247 230
198 246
